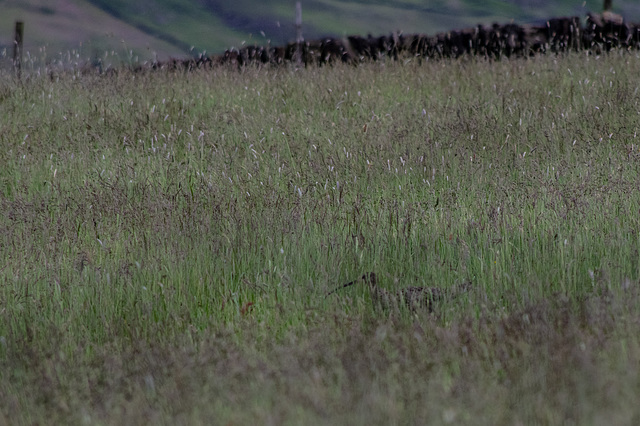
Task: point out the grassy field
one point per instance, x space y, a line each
167 242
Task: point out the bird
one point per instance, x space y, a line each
415 298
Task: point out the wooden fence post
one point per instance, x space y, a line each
17 48
299 39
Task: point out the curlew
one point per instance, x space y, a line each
415 298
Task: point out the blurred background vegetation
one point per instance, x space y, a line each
149 29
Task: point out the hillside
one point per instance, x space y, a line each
162 28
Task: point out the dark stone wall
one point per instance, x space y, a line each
600 33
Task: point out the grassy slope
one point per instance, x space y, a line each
166 243
64 25
171 27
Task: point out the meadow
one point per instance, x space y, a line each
167 241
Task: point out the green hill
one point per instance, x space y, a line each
160 28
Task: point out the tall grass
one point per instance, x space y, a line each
167 241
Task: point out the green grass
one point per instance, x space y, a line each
167 241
